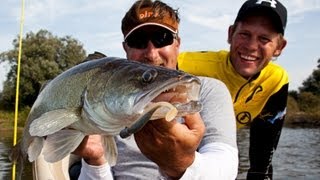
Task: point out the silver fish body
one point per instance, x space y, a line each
101 96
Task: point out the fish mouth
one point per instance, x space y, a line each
181 93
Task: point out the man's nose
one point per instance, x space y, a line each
253 43
151 54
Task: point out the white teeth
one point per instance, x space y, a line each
249 58
168 90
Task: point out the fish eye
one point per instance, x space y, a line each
149 75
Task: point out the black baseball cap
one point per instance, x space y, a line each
274 8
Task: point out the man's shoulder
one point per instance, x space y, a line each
274 77
209 80
203 63
212 83
203 55
275 70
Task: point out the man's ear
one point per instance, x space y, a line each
179 41
230 33
282 44
124 46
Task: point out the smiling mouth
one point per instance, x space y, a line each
248 58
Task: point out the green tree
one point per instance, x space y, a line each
312 83
43 57
294 94
308 102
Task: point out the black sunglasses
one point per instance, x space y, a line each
139 39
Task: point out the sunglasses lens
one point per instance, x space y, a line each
162 38
140 39
137 40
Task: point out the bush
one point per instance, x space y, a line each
308 102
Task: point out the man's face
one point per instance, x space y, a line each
146 45
253 43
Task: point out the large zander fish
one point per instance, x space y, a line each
105 96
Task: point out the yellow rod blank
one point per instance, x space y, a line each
17 87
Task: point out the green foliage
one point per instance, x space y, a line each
312 83
43 57
308 102
303 106
303 110
293 94
292 105
7 117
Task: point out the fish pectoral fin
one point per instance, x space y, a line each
111 151
35 148
53 121
60 144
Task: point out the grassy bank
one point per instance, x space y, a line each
296 119
7 118
302 119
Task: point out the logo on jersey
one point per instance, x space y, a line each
244 117
255 91
273 3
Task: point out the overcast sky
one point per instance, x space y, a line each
204 24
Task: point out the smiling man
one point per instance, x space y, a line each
197 146
258 87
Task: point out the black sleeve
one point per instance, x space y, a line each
265 132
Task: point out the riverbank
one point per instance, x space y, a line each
7 118
296 119
301 119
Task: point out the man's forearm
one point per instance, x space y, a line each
214 161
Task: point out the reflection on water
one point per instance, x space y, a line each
297 156
5 165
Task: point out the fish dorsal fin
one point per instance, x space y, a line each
53 121
111 151
60 144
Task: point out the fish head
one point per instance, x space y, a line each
123 89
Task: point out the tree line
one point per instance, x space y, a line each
44 56
304 104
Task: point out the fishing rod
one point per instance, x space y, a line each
17 88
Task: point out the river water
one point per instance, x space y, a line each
297 156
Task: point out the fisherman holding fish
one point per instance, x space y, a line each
258 87
198 146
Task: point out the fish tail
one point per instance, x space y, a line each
17 157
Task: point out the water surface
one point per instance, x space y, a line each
297 156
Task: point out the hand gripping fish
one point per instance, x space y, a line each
108 96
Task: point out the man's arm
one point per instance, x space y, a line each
265 132
217 154
94 163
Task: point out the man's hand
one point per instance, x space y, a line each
91 150
171 145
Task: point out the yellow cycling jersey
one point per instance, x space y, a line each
249 96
